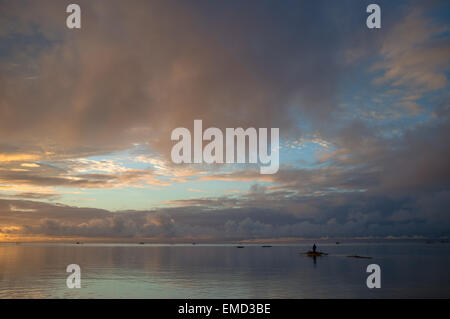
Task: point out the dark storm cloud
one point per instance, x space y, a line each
160 64
343 216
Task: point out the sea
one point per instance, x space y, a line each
407 270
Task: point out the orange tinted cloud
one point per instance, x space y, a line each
21 157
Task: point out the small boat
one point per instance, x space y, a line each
361 257
239 246
141 243
315 253
266 246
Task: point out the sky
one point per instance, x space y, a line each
86 117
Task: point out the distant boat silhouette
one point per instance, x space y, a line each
266 246
311 253
361 257
239 246
141 243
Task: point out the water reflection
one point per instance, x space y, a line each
199 271
314 260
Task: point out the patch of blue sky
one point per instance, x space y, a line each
391 110
150 197
292 151
114 199
210 188
33 43
304 153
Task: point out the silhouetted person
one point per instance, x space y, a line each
314 248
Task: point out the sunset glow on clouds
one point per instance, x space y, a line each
86 116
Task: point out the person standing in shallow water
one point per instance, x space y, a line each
314 248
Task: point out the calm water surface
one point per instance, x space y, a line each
222 271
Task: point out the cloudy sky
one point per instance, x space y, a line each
86 117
